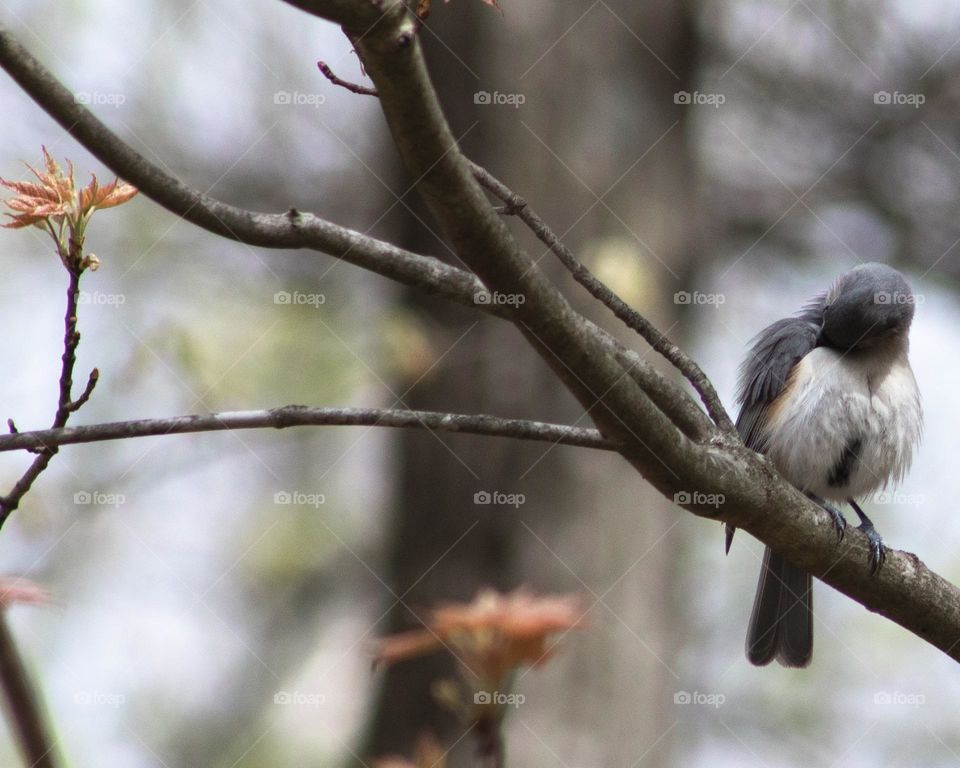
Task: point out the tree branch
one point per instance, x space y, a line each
392 57
352 87
669 399
295 229
299 415
292 229
27 716
65 403
747 490
25 709
655 426
516 205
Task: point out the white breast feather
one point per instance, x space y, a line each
834 400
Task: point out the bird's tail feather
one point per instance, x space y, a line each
781 625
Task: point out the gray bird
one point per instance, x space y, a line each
829 396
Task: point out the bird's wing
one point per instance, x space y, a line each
763 375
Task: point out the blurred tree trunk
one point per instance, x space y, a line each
587 518
443 546
608 112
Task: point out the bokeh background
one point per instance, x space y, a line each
716 163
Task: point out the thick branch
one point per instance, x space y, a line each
298 415
293 229
393 59
590 363
667 397
751 494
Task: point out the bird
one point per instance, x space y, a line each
828 395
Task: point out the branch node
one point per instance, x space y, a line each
352 87
92 380
629 316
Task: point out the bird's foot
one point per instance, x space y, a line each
839 521
878 552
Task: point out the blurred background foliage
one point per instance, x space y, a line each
184 610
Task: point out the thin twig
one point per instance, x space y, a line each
516 205
65 403
92 380
25 709
352 87
298 415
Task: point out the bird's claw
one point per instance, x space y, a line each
839 521
878 552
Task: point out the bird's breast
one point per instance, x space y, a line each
845 425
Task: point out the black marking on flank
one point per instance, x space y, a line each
840 474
